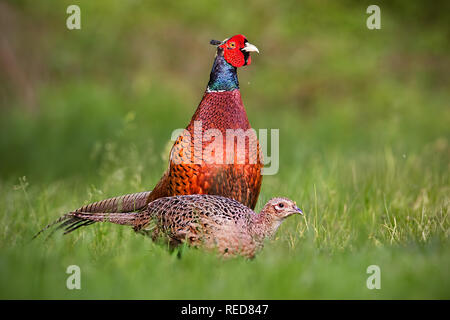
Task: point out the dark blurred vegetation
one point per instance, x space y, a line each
137 69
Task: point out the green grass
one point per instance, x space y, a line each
364 147
359 210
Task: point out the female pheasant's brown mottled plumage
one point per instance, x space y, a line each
210 222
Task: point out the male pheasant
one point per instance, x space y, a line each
233 171
206 221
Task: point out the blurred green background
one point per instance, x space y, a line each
364 143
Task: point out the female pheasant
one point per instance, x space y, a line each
206 221
218 154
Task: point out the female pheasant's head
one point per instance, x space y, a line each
273 214
281 208
236 50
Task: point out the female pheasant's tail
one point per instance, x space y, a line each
74 220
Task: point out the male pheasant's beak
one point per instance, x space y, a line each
250 48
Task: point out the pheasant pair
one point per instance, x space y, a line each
203 198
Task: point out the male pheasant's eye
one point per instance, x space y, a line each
231 44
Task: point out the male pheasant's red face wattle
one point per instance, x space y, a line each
236 51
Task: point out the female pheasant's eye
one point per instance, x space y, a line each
281 205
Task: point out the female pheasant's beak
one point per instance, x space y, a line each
297 209
250 47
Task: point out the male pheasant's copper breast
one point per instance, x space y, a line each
221 110
197 168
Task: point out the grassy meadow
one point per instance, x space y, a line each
364 123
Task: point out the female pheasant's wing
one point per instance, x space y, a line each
192 217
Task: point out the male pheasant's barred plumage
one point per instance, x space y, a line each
210 222
221 108
126 203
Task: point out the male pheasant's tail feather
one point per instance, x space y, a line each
126 203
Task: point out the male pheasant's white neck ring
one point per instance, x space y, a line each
210 90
